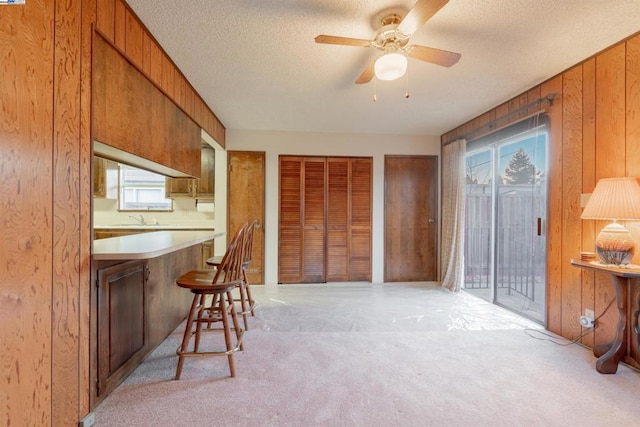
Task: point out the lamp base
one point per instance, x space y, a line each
614 245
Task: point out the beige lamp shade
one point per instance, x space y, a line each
614 199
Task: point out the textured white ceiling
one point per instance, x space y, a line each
257 66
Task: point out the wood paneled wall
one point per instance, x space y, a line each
44 155
45 165
119 24
594 134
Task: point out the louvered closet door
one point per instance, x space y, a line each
325 219
314 214
349 219
290 217
338 219
360 219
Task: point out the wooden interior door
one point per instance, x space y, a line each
410 214
245 181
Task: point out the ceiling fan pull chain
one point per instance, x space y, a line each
406 93
375 90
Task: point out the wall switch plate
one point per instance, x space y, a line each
589 314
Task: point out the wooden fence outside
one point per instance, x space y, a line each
520 253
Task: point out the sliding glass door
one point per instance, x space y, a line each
505 215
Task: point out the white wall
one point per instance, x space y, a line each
326 144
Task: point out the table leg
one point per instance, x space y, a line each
610 355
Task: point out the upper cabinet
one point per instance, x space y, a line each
131 114
196 188
207 172
118 24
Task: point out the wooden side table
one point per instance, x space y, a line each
609 355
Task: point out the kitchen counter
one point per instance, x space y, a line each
153 227
149 245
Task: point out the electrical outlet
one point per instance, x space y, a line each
589 314
87 421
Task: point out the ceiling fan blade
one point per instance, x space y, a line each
367 74
435 56
421 12
344 41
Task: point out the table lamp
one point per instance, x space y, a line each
614 199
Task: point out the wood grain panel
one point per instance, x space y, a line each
532 96
120 34
155 68
588 180
632 115
610 160
610 113
26 175
66 221
502 118
410 204
134 35
571 191
146 54
554 208
86 215
106 18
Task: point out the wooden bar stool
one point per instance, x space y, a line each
213 302
247 303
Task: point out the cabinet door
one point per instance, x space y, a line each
206 182
180 188
122 324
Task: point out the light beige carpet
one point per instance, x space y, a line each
378 355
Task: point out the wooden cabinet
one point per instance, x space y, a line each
207 173
132 115
105 178
325 219
181 188
196 188
122 325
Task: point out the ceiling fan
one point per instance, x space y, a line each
393 39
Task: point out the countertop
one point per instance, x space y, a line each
153 227
149 245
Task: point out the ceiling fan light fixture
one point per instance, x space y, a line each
390 66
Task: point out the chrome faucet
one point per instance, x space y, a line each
140 220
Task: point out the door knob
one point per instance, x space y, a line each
431 220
